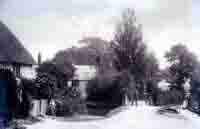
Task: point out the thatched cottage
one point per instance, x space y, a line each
13 55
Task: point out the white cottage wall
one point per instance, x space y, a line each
28 72
83 74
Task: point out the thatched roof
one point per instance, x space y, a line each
11 50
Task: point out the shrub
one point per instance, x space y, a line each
104 91
168 97
66 107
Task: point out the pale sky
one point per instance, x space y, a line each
52 25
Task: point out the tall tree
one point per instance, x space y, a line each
130 54
182 63
129 48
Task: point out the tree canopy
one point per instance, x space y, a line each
182 64
130 50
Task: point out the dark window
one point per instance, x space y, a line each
75 83
16 70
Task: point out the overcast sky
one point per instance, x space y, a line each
52 25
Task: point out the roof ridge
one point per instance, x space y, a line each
12 50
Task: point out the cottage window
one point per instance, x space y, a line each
75 83
16 71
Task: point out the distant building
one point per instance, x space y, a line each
13 55
163 85
83 74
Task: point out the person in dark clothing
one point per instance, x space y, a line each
8 97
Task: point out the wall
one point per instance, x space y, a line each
28 72
84 73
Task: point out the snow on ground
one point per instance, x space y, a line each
142 117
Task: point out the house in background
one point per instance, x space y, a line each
83 74
14 56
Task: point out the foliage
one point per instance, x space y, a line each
130 51
63 65
182 64
46 80
52 77
129 87
45 83
52 84
100 52
152 92
99 91
128 44
94 51
67 106
170 97
194 99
